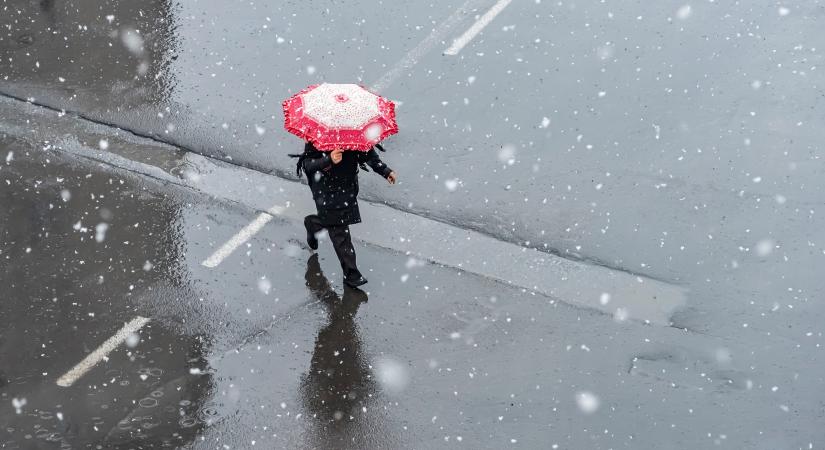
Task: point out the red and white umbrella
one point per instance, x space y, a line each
339 116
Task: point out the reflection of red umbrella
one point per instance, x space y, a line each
339 116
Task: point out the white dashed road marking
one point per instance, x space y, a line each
100 353
482 22
242 236
413 56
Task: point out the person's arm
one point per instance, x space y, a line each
316 164
378 166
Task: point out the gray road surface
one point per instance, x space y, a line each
677 142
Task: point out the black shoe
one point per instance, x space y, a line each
355 281
312 241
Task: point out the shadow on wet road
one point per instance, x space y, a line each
339 384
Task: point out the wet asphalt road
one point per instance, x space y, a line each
683 144
267 350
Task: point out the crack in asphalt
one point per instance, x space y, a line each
283 174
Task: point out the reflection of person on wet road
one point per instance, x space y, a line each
339 384
333 179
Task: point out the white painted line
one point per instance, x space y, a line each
413 56
100 353
482 22
242 236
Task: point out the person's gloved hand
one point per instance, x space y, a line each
392 177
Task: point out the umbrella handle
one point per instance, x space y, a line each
380 147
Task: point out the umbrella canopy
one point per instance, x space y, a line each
339 116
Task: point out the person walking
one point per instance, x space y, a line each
333 179
342 125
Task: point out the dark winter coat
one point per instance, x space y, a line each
335 186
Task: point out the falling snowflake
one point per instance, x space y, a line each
264 286
393 375
18 404
100 231
373 132
764 247
132 340
132 41
545 122
507 154
587 401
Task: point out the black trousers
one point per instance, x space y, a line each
341 242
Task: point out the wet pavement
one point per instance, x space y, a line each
675 142
267 349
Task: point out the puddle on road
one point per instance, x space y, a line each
84 251
151 399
